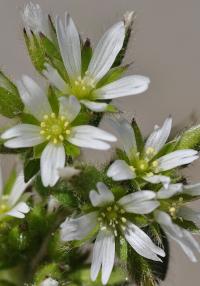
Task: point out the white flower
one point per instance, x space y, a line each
146 164
111 219
182 236
54 129
35 20
49 282
10 204
177 209
85 86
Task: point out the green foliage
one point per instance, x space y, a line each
10 102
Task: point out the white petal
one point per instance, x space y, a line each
95 106
33 97
130 85
54 78
90 137
106 51
69 107
89 143
108 256
52 159
78 228
102 197
141 243
180 235
68 172
166 222
103 254
177 158
19 210
192 190
24 141
49 282
189 214
139 202
126 135
120 171
22 135
21 130
69 43
158 138
172 190
156 179
94 133
18 188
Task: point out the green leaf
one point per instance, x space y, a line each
86 55
190 139
138 135
31 168
10 101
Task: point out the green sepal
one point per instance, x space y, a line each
35 50
49 270
10 101
113 75
31 168
86 55
188 225
10 182
71 150
53 100
49 47
29 119
37 150
138 135
190 139
82 118
111 108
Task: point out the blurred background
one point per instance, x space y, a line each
165 46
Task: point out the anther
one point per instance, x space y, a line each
46 117
43 124
123 219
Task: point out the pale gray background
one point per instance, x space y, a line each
166 47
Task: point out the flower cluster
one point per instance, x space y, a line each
132 205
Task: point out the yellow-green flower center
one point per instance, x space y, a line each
143 164
82 86
55 128
112 217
